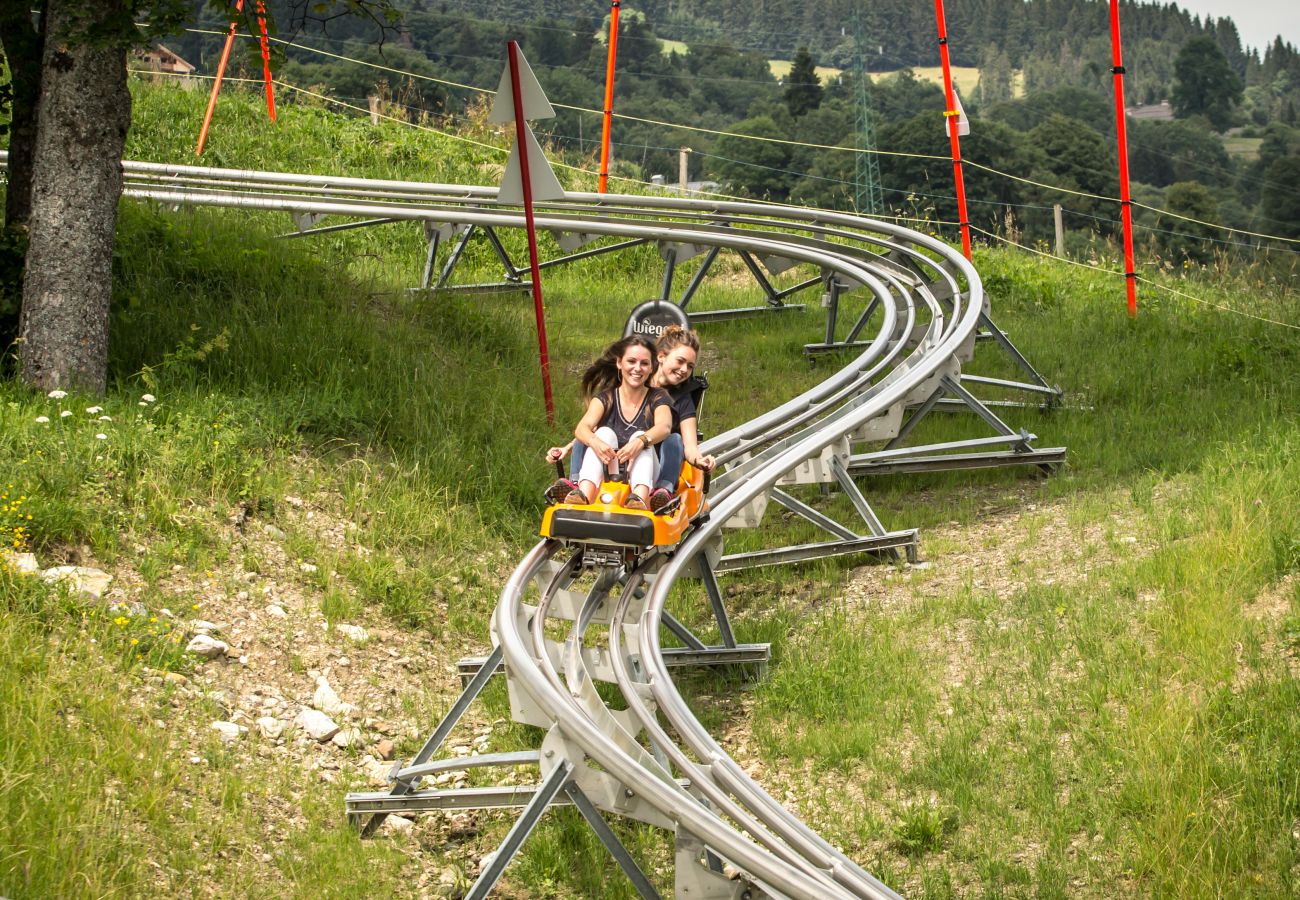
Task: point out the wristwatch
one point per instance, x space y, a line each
645 439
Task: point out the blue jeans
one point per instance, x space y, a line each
672 453
575 459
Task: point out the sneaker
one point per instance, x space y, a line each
634 502
576 497
660 498
559 490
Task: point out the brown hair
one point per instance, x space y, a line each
603 373
675 336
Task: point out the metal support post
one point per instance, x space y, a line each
611 841
467 696
670 266
434 237
512 274
698 278
915 418
859 502
454 257
519 832
821 520
833 308
1010 349
980 409
748 259
715 600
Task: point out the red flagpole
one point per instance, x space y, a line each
521 141
266 59
609 96
1125 200
950 117
216 84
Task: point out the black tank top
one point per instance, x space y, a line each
642 420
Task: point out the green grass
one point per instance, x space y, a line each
1130 731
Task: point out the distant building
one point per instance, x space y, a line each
1161 110
163 61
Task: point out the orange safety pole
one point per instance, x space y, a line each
950 118
521 141
266 59
1125 200
609 96
216 84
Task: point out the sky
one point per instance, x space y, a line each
1258 21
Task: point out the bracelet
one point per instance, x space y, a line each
645 439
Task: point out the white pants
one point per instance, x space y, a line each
643 471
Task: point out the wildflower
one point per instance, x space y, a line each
105 418
101 437
120 620
57 395
94 409
148 398
65 414
43 419
134 641
142 403
195 606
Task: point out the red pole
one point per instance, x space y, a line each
216 84
609 96
1125 201
266 59
950 116
521 141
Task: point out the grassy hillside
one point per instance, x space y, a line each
1090 691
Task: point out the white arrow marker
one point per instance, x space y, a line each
542 180
536 106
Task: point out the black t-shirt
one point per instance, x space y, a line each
642 420
683 403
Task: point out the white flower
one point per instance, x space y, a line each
94 409
65 414
57 395
101 437
105 418
43 419
148 398
142 403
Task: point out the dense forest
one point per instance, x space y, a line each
1042 111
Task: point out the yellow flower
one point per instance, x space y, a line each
134 641
120 620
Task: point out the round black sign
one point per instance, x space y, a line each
652 317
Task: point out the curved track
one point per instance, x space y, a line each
654 761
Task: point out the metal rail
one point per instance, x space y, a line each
927 303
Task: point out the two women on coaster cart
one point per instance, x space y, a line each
639 396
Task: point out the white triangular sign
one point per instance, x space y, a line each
536 106
963 124
541 179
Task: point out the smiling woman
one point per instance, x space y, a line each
625 417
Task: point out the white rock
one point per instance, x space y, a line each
326 699
83 578
22 563
397 823
270 727
229 731
355 632
318 725
346 737
276 611
202 626
207 647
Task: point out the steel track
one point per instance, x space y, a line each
930 301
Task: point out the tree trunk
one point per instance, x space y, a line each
22 48
85 109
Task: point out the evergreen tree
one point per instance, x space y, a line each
803 90
1204 83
